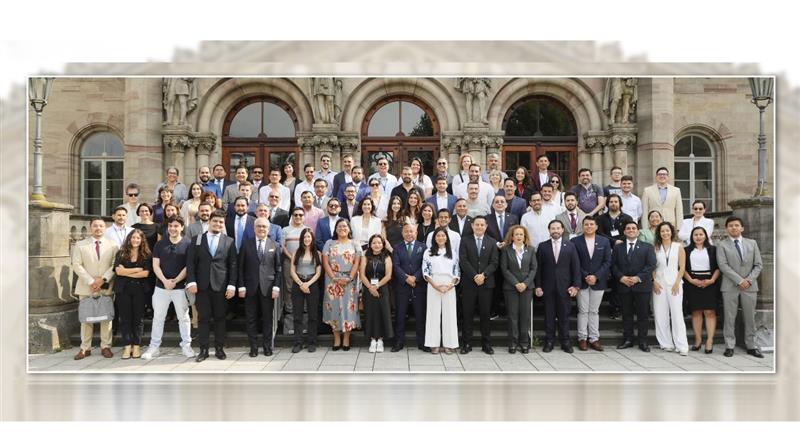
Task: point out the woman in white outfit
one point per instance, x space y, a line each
440 269
698 220
668 290
364 224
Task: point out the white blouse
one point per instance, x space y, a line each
440 265
688 225
699 260
361 234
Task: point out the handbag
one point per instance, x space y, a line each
92 309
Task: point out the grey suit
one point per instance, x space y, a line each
232 192
569 232
518 305
195 229
735 269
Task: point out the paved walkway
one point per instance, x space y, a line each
413 360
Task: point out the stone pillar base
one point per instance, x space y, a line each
50 332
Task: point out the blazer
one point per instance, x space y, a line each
535 179
568 231
249 230
254 274
338 181
215 273
513 273
672 208
404 265
87 267
467 226
517 206
232 192
451 203
323 231
344 212
712 258
641 262
557 277
598 265
280 217
735 269
493 229
474 262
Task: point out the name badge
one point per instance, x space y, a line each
374 281
615 232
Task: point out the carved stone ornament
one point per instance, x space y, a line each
620 98
179 99
476 91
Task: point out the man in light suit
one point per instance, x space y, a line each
594 253
632 264
232 191
739 260
479 258
572 218
441 199
663 197
259 284
326 224
409 286
558 277
93 263
211 274
200 226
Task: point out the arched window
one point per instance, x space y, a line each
102 185
694 171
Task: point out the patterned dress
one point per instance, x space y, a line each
340 304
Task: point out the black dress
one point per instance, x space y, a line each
423 231
394 232
705 298
377 311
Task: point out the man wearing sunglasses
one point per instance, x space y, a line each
131 204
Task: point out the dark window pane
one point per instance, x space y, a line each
91 207
278 159
114 188
681 170
514 160
684 147
277 122
702 171
684 186
426 156
386 121
686 203
700 148
93 189
114 170
92 170
538 118
247 122
702 189
112 204
102 143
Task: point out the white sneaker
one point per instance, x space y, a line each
373 346
151 353
684 352
187 351
379 347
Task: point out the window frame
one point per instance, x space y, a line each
104 161
691 161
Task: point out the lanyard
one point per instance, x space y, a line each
666 253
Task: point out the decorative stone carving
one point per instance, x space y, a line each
324 90
476 91
203 143
176 141
619 100
179 99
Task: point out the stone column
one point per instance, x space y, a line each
622 140
204 144
175 140
656 132
451 150
595 142
321 140
52 312
349 144
142 133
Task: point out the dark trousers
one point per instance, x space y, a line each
377 314
130 312
614 299
483 297
420 299
556 306
254 302
499 307
638 302
309 301
211 304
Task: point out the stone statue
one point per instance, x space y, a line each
338 97
475 88
619 99
323 91
180 92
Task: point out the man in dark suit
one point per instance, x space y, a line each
557 280
633 263
343 177
211 274
409 287
479 259
326 224
275 232
461 222
499 221
349 204
441 199
514 205
240 226
220 181
259 284
541 175
594 252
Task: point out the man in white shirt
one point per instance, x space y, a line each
492 163
132 203
118 231
485 190
536 220
443 220
387 180
549 205
325 172
631 204
275 184
303 186
475 204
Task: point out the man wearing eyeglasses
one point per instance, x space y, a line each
492 164
441 170
663 197
131 204
361 185
179 191
325 173
274 231
258 179
386 179
325 226
275 213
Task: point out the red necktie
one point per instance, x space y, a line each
573 223
97 249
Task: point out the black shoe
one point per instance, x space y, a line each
488 349
424 348
696 347
612 315
202 356
644 347
253 352
709 350
548 347
345 348
312 348
626 344
397 347
512 349
268 351
297 347
756 353
220 353
525 350
336 347
567 348
728 352
465 349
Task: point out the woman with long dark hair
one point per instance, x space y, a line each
132 266
440 270
524 183
164 197
419 178
702 291
340 259
305 272
668 290
365 223
393 226
413 206
376 274
426 223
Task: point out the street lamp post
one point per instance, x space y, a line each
762 97
39 90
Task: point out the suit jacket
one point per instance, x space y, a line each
672 208
557 277
87 267
513 273
216 272
280 217
735 269
535 178
232 192
467 226
404 265
493 229
641 262
249 230
212 186
568 231
193 230
517 206
474 262
254 274
344 212
598 265
323 233
338 181
451 203
323 205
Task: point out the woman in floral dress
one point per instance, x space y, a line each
340 259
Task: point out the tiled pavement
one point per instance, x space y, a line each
412 360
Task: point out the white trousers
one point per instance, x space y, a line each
588 317
441 327
161 300
670 326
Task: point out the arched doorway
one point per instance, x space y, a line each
260 131
538 125
400 128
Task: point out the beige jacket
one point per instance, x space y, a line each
86 265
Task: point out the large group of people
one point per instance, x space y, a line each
358 252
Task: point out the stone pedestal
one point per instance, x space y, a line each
622 138
204 143
176 140
52 312
323 139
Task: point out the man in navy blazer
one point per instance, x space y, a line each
594 253
441 195
514 205
409 287
633 263
240 215
326 224
558 277
478 270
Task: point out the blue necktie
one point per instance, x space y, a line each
479 243
212 245
739 250
239 233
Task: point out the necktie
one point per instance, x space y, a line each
630 247
212 245
739 250
409 248
239 233
219 184
556 247
478 243
97 249
502 223
260 250
573 223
